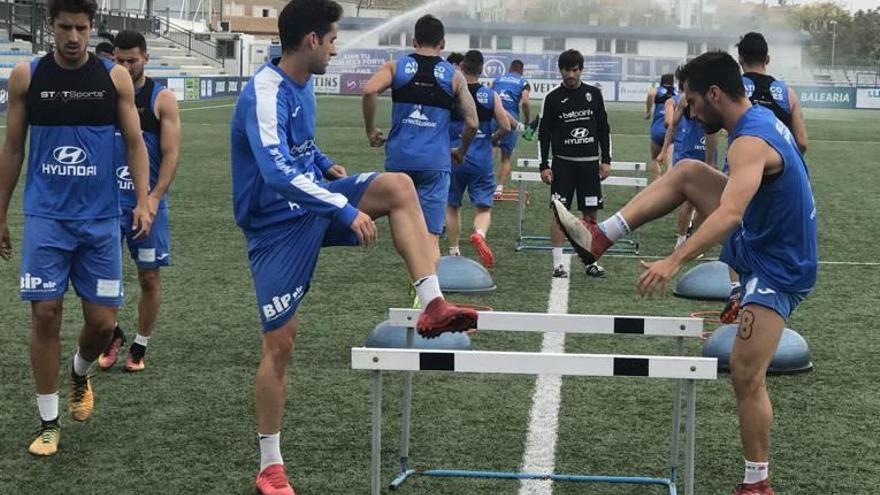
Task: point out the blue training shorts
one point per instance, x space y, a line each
433 189
152 251
479 180
508 142
87 252
658 133
283 258
758 288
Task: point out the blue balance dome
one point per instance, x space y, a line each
708 281
792 355
389 336
464 275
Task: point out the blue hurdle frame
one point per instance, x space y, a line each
685 391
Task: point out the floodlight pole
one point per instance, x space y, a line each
833 41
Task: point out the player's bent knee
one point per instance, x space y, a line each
746 377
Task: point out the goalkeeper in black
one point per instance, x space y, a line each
574 125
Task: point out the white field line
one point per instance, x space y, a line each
540 451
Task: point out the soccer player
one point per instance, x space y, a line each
160 125
424 90
686 139
72 102
455 59
475 174
288 211
514 90
765 214
104 50
574 124
655 111
763 89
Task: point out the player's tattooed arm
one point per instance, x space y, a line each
468 110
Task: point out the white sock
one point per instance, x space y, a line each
141 340
615 227
48 406
80 365
270 450
481 232
520 127
427 289
499 188
454 251
557 257
680 240
756 471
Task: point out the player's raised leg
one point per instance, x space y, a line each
394 195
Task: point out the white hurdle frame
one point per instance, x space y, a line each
629 244
685 370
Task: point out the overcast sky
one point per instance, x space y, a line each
852 5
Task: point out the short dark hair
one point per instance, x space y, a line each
104 47
455 58
472 64
88 7
429 31
128 39
301 17
516 65
667 80
752 48
715 68
570 59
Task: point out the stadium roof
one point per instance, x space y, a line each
469 26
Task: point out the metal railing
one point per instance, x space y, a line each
185 38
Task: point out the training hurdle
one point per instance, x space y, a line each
629 244
685 370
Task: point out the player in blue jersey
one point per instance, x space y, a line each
71 102
515 91
290 199
424 90
160 125
765 214
655 111
686 140
475 174
763 89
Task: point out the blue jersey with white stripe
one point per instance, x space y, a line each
778 234
510 88
689 141
72 116
145 101
422 98
277 169
480 150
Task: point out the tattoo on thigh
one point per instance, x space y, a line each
746 325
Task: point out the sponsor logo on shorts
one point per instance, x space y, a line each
108 287
280 305
32 283
147 255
